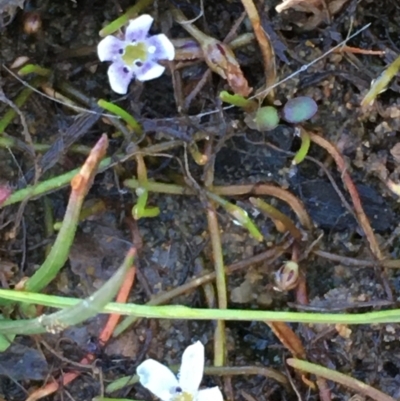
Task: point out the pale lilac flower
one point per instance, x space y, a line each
136 56
163 383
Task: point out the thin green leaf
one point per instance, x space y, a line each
72 315
120 112
60 250
381 83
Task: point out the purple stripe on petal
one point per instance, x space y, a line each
162 46
190 44
109 48
119 76
147 70
138 28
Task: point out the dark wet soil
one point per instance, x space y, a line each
176 244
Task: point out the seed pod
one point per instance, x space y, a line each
299 109
221 59
32 23
286 278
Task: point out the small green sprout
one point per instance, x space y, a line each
295 111
264 119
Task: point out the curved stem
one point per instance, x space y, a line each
330 374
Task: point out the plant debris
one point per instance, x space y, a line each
256 179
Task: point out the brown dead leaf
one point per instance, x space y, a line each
221 60
288 338
218 56
267 51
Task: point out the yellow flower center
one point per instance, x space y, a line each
134 52
183 397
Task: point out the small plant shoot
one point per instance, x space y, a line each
264 119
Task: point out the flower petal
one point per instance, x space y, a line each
157 378
192 367
147 70
119 76
138 28
162 46
108 48
210 394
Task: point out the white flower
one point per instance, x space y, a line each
137 55
163 383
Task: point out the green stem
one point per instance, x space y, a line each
62 180
130 13
10 142
201 37
218 259
183 312
159 187
140 210
119 111
275 214
235 211
19 102
240 215
304 147
248 105
48 185
212 371
34 69
164 297
198 157
330 374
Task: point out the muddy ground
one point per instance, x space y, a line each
176 244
